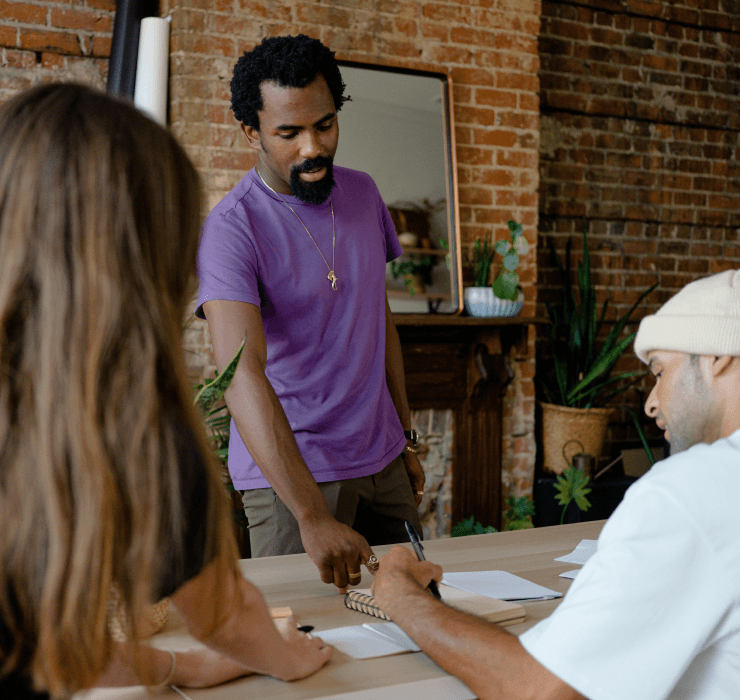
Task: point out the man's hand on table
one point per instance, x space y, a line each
336 549
416 475
401 574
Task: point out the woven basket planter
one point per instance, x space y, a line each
562 425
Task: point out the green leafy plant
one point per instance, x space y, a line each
445 245
408 268
572 485
643 439
471 527
581 370
480 261
218 418
519 514
506 284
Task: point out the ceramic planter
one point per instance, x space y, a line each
481 302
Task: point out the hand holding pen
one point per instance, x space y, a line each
416 543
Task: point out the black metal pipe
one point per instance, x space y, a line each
125 44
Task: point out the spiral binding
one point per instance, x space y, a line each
361 602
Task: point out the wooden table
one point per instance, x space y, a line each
293 580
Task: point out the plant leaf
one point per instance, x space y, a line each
602 367
511 260
643 439
515 229
502 247
214 391
571 485
521 245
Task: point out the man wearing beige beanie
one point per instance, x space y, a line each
655 613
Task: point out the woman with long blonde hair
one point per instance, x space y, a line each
106 479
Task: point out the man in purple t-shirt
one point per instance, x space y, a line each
295 256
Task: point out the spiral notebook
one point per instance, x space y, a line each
502 612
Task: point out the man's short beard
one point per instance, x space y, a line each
312 192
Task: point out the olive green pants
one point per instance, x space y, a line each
375 506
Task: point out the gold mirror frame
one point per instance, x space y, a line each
390 100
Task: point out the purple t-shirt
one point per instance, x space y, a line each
325 348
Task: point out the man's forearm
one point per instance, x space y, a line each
394 373
265 430
489 660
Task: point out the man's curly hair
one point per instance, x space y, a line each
289 61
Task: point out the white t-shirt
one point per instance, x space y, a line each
655 613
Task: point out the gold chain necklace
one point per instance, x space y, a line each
331 276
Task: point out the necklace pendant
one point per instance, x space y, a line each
331 276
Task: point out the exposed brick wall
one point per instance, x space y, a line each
43 41
640 113
488 47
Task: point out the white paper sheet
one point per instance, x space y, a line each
445 688
393 632
581 554
498 584
570 574
361 642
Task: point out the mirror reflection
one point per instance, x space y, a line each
397 128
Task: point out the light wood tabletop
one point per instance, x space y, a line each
293 581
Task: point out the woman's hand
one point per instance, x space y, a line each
309 652
204 667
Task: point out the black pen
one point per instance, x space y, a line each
415 542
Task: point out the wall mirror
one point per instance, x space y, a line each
399 129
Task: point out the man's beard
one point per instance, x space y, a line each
312 192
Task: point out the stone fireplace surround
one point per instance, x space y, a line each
463 365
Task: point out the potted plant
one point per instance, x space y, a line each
416 272
580 379
504 296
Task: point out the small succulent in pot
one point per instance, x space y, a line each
506 284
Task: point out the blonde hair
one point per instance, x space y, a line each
99 228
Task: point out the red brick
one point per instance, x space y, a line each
81 19
8 36
506 198
447 13
474 37
23 13
432 30
446 55
52 60
232 160
497 137
517 158
20 59
334 17
56 42
495 98
204 44
101 46
474 156
106 5
477 116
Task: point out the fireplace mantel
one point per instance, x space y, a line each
464 364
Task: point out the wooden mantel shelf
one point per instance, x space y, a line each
464 321
463 363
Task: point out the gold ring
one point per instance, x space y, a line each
358 575
372 563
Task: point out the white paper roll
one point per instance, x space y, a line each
150 89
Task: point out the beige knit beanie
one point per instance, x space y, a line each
702 319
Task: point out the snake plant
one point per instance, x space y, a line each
581 365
